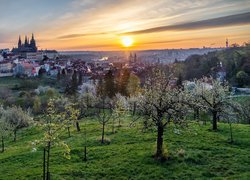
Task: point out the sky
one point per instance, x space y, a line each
101 24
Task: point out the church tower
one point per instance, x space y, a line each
33 43
19 42
26 44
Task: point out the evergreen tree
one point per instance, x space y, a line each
71 87
133 86
58 75
109 84
100 87
80 76
123 82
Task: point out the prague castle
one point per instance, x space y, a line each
27 46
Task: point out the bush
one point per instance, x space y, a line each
28 84
242 78
42 90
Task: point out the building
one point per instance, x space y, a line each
221 73
1 58
27 46
51 54
34 56
6 69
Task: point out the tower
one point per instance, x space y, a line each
33 43
26 44
19 42
227 43
135 58
130 57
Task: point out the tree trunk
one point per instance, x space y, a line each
103 126
14 136
194 114
197 113
119 122
68 131
2 144
214 120
44 163
78 126
159 151
134 108
48 156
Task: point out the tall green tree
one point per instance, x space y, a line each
80 78
71 88
109 84
133 86
100 90
242 78
123 81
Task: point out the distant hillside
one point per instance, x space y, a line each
234 61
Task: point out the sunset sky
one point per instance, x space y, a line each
101 24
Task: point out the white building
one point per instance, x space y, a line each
34 56
6 69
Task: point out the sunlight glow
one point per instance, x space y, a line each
127 41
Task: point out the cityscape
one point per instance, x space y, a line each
125 89
29 59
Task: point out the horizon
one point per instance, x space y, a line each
136 50
84 25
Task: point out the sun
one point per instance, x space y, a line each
127 41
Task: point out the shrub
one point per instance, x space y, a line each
28 84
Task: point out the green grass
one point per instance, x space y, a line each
9 82
207 154
242 99
12 82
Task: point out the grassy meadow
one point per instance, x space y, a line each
196 153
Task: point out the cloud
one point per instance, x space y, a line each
71 36
231 20
94 46
169 41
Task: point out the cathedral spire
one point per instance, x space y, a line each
26 41
19 42
33 43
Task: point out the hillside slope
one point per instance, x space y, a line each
196 153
